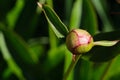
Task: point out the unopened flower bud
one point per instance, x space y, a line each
79 41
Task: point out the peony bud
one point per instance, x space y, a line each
79 41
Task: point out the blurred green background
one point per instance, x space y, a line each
29 50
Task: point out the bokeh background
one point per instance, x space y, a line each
29 50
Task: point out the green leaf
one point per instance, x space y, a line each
18 45
67 7
50 2
27 20
83 70
99 70
76 14
113 35
7 73
8 58
105 50
56 24
54 57
114 70
103 53
14 13
105 43
52 37
89 17
101 12
37 45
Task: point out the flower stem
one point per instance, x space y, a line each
71 67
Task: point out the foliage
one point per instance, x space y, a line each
32 39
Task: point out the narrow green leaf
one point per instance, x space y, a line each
22 48
53 59
56 24
89 17
43 1
67 7
103 53
52 37
83 70
18 45
7 73
14 13
76 14
50 2
113 35
98 70
27 20
114 70
103 15
105 50
105 43
37 45
8 58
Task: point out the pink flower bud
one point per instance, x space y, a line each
79 41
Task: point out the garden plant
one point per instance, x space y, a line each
59 40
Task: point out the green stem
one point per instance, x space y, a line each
71 67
